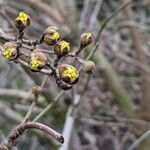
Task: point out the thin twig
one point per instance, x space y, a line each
14 93
104 24
83 14
139 140
29 112
95 14
69 124
49 106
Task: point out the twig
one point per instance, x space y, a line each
29 112
44 71
71 116
118 119
83 14
139 140
104 24
69 124
10 113
56 61
26 42
20 129
95 14
49 106
14 93
36 96
25 108
3 14
6 38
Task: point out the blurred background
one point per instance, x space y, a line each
114 102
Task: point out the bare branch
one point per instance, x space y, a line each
20 129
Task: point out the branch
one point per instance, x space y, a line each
139 140
10 113
44 71
69 123
49 106
20 129
14 93
104 24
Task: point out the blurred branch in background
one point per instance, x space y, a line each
53 13
10 113
138 46
14 93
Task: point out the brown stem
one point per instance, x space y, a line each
78 51
6 38
56 61
20 129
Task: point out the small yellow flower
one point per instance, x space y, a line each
9 50
51 36
22 20
86 39
62 48
68 74
38 60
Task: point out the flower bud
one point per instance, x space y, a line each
69 74
62 48
9 50
88 66
36 90
22 20
86 39
37 60
51 36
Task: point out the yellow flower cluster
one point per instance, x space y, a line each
51 36
68 73
22 20
36 64
65 75
38 60
62 48
9 51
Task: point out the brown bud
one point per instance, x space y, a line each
86 39
88 66
35 90
51 36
